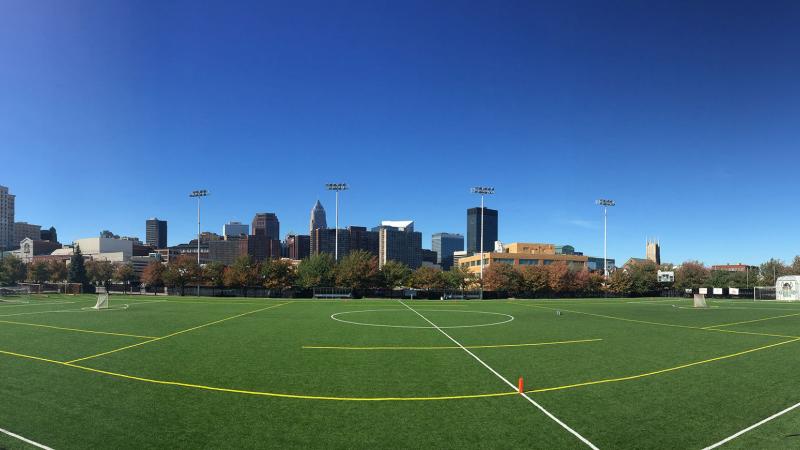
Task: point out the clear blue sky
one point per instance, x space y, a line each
686 113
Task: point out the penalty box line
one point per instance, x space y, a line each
511 385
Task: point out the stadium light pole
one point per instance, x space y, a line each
336 187
605 204
198 194
482 191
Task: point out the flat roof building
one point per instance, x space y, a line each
445 245
524 254
7 220
156 232
397 241
474 229
235 229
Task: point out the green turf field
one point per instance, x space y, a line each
186 372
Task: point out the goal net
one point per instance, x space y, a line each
764 293
332 292
15 294
700 301
102 301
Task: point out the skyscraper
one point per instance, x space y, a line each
7 219
317 217
49 235
445 244
474 229
156 233
399 242
297 246
317 222
266 224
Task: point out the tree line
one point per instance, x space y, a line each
360 270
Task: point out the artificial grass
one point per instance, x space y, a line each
260 349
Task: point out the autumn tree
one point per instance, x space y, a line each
57 270
534 279
458 277
559 278
502 277
153 275
772 270
181 271
691 275
100 272
277 274
125 274
37 272
214 273
358 270
619 283
242 274
427 278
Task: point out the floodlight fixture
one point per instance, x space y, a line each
336 187
482 191
198 194
605 203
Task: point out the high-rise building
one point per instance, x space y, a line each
323 240
49 235
297 246
266 224
226 251
23 230
653 251
318 219
7 220
235 229
156 233
398 241
362 239
474 229
445 244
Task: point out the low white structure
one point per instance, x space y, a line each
787 288
106 248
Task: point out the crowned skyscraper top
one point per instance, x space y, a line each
317 218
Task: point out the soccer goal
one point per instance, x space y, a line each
102 301
764 293
15 294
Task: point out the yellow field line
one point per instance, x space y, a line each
374 399
657 323
657 372
174 334
751 321
78 330
451 348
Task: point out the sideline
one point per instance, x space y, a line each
25 440
752 427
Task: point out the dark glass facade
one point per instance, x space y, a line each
156 233
474 229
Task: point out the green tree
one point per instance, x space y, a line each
100 272
691 275
278 274
57 270
37 272
242 274
181 271
502 277
77 269
772 270
427 278
395 274
458 277
316 271
358 270
644 277
12 270
215 274
125 274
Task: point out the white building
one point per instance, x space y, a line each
108 249
788 288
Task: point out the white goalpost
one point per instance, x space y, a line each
102 301
700 301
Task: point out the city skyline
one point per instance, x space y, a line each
680 114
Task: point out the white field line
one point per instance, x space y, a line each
27 441
751 427
77 310
35 304
510 384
